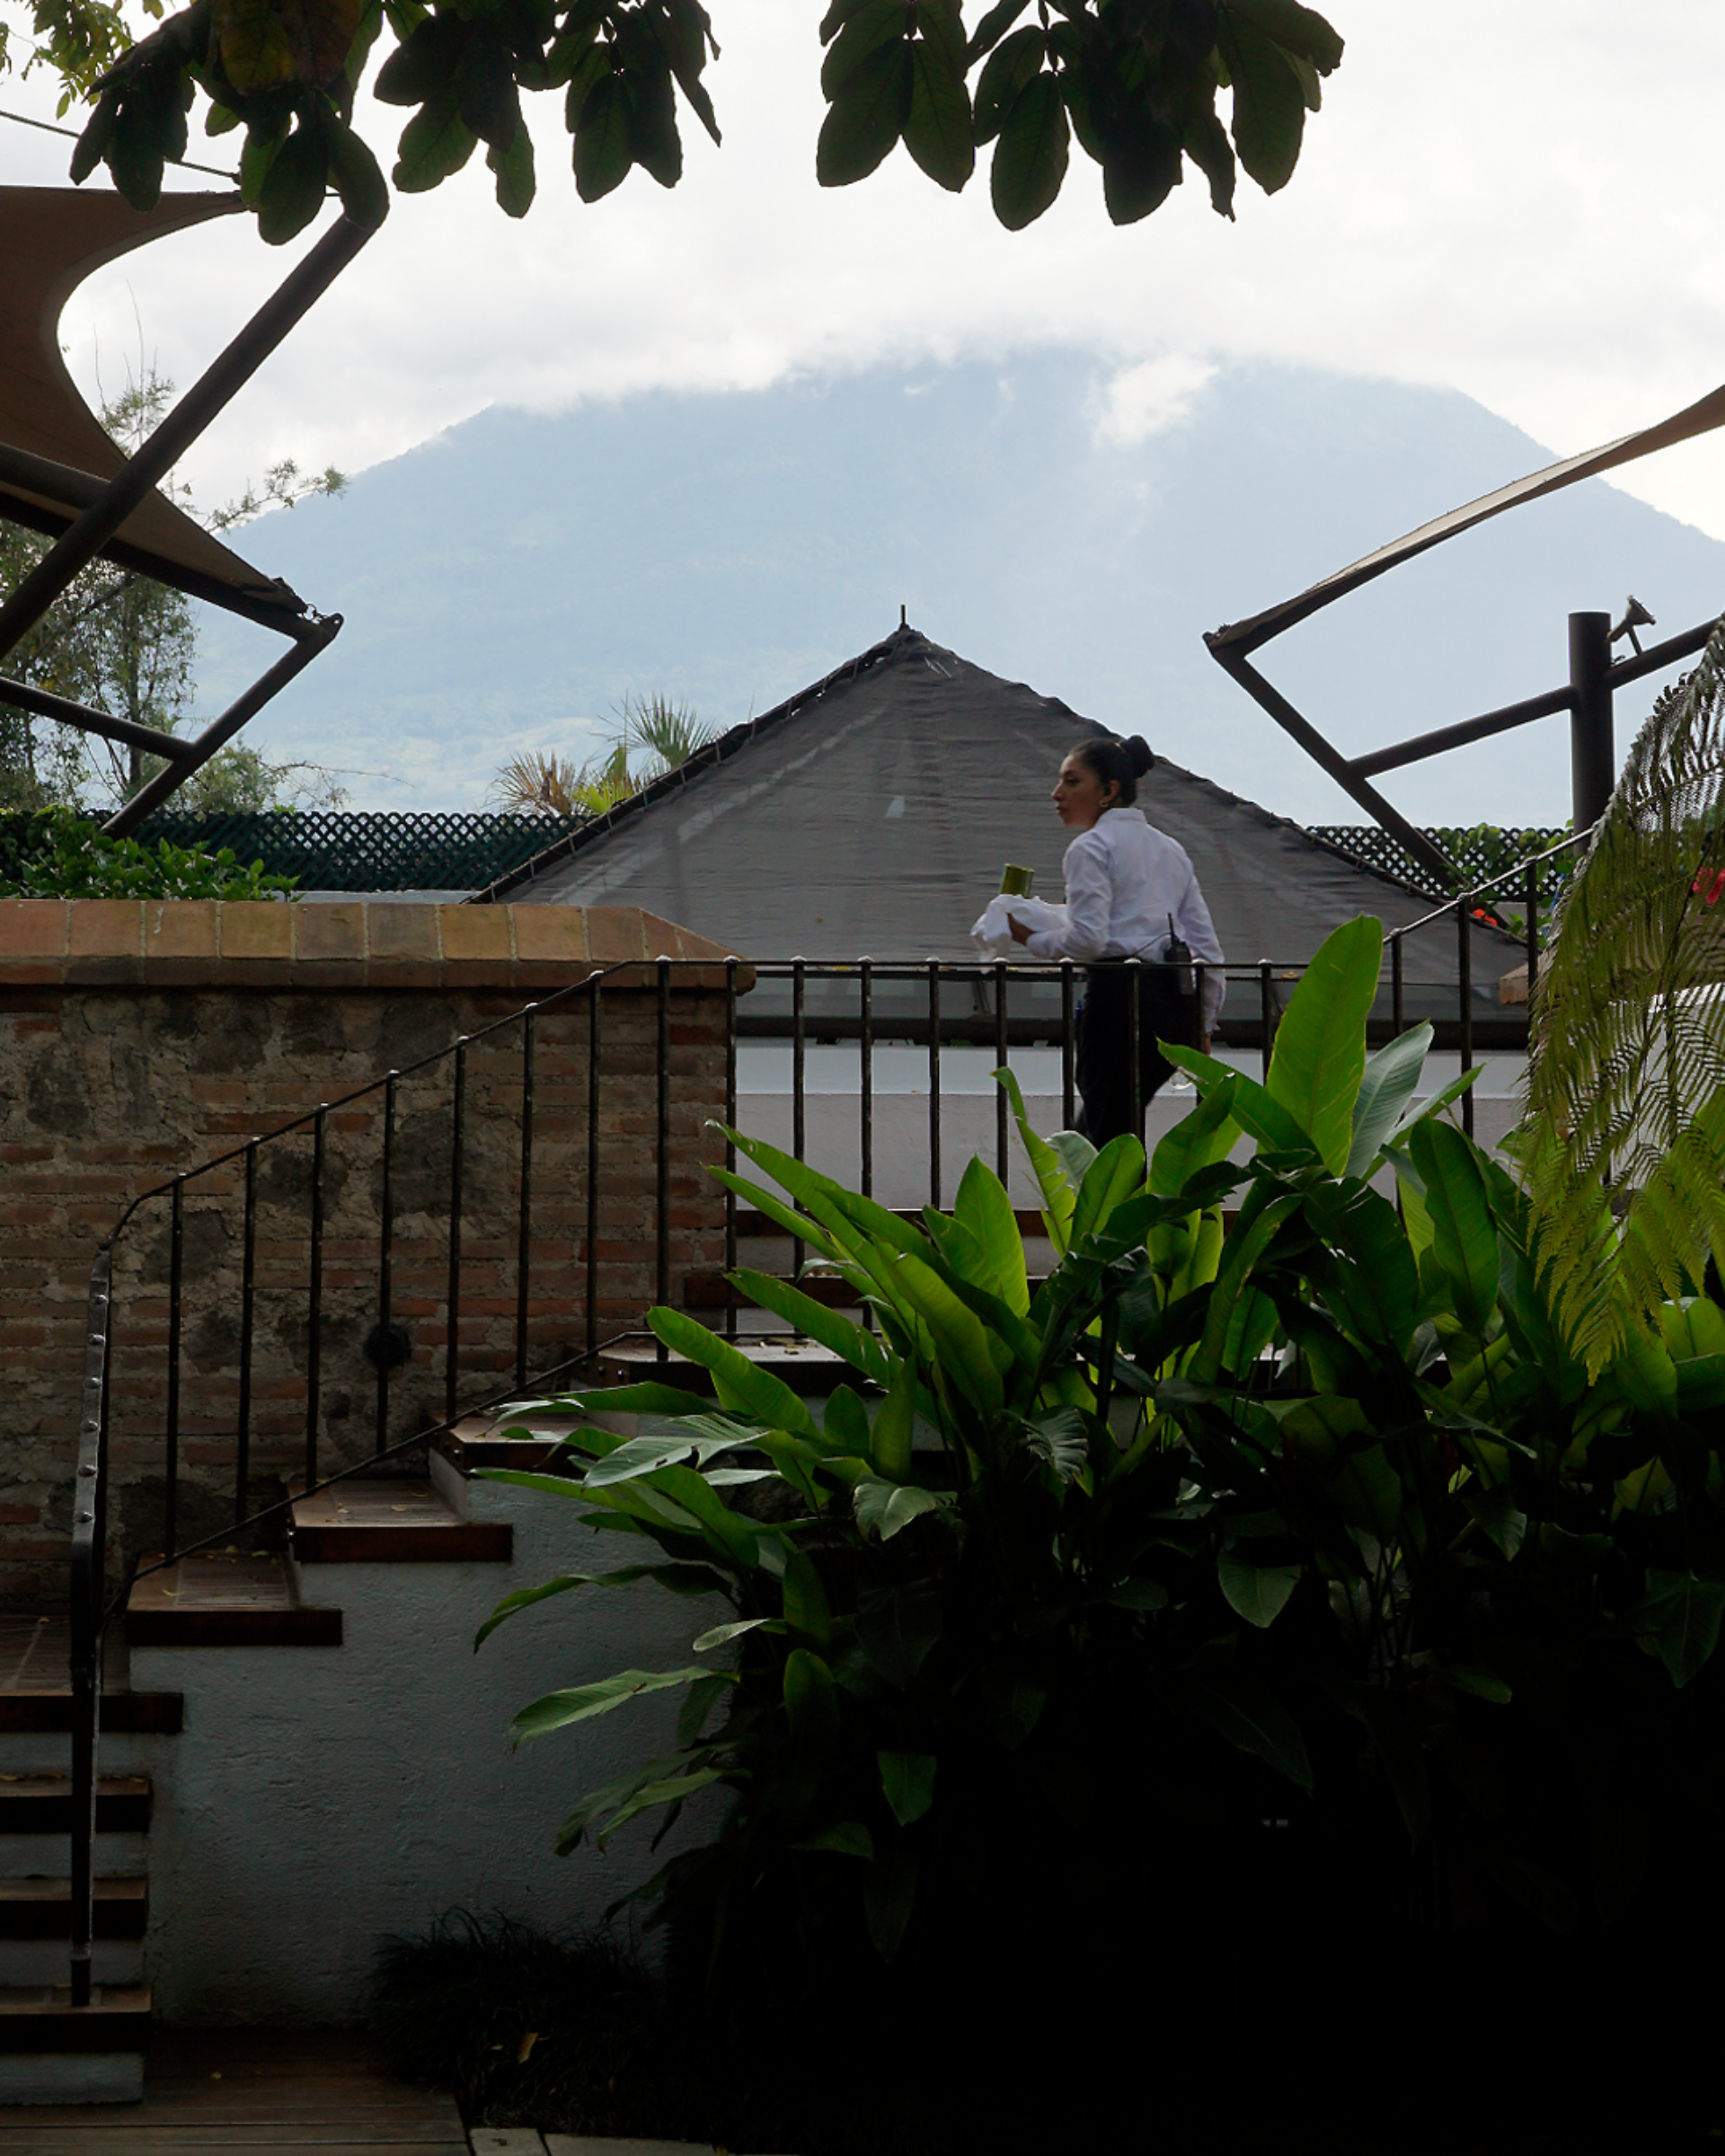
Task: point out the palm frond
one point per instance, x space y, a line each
1623 1141
669 732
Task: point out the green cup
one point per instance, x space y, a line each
1015 881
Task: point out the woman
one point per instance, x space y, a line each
1125 883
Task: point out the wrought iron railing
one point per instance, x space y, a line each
297 1173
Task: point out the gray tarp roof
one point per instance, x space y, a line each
871 814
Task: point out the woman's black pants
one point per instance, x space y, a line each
1104 1045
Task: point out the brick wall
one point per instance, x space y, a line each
141 1040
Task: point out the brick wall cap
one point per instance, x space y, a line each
137 946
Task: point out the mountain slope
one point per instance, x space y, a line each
504 585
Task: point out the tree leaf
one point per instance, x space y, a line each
1389 1082
896 1628
870 27
681 1579
1465 1240
1058 1197
1319 1059
434 142
889 1897
937 128
865 119
1250 1718
603 151
1268 103
1690 1632
558 1709
1302 30
1539 1891
256 52
292 193
756 1392
908 1781
1258 1592
513 168
358 178
982 1207
843 1838
993 27
1008 68
721 1634
1030 160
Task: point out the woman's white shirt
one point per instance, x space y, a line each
1125 881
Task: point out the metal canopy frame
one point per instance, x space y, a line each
1587 695
32 488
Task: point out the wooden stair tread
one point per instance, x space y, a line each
34 1999
41 1804
49 1712
41 1908
41 2017
223 1600
394 1521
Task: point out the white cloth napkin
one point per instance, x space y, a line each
994 932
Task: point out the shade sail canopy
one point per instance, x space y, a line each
871 815
54 456
1697 419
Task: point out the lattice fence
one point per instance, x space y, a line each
1485 850
351 851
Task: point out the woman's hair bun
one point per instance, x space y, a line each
1139 754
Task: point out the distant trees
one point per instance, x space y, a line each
544 783
1135 82
124 644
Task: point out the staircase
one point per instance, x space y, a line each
50 2051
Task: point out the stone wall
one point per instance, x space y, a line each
140 1040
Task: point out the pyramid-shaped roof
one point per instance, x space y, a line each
871 816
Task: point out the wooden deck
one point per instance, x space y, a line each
210 2092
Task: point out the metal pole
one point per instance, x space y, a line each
1593 748
662 1166
935 1083
595 1036
248 1312
1464 984
452 1298
866 1133
798 1077
385 1262
176 1276
1002 1055
1068 1045
731 1149
523 1216
314 1303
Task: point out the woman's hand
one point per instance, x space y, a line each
1021 935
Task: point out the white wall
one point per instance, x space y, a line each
320 1798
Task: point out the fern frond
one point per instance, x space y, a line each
1623 1140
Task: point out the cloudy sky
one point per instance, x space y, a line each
1519 202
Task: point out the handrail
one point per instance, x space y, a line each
92 1609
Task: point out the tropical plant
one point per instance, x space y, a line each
1138 85
56 854
540 782
1315 1497
1624 1142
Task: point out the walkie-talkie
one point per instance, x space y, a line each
1177 953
